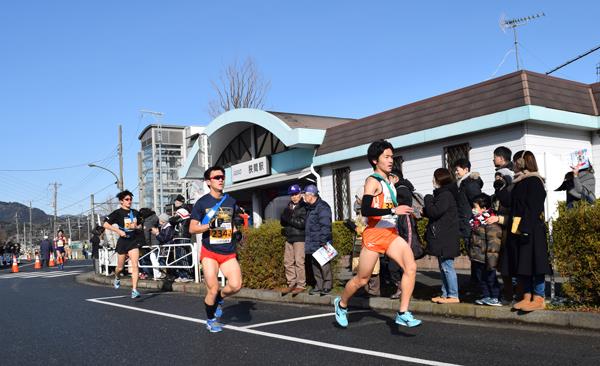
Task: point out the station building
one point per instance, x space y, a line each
265 152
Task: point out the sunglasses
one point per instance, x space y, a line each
127 199
218 177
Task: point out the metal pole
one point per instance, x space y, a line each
160 176
69 225
30 227
17 221
121 184
516 47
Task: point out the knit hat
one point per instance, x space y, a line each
163 217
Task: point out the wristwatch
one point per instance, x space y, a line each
393 211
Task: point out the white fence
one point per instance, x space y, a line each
166 256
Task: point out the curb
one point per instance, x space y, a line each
555 318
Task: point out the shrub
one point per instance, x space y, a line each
576 248
261 256
343 238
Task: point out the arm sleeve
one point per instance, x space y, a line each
165 235
367 210
577 190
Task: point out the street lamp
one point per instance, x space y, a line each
119 183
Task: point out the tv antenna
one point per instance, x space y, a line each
514 23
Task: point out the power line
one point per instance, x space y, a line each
51 169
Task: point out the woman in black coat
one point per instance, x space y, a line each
526 252
442 232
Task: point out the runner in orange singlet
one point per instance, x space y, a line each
381 237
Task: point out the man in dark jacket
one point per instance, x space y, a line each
318 234
293 222
45 249
469 186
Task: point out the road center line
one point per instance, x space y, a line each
283 337
299 319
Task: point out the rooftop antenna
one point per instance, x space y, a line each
514 23
598 72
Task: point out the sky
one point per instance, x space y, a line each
72 71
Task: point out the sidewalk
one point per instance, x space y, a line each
426 282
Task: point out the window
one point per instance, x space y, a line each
341 196
455 152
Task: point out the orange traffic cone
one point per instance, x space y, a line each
38 264
15 266
51 263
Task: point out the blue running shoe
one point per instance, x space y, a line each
219 310
341 315
482 301
117 283
407 320
213 325
135 294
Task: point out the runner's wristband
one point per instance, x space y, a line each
367 210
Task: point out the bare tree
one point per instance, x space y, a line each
239 86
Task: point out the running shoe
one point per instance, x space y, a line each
219 309
482 300
492 301
135 294
213 325
341 315
407 320
117 283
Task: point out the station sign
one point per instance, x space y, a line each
250 169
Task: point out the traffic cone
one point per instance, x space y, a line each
51 263
38 264
15 266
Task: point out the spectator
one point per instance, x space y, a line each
407 225
485 246
181 235
96 240
45 250
584 184
526 253
442 232
293 221
318 234
503 184
150 220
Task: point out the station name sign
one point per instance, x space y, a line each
250 169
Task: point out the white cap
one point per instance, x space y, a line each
183 213
45 236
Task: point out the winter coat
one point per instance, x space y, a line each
469 187
293 221
149 223
486 242
165 235
318 226
526 249
442 230
45 249
584 187
95 240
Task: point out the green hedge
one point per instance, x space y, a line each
576 235
261 253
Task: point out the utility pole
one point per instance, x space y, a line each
121 184
93 211
79 228
30 226
17 220
54 202
69 225
88 226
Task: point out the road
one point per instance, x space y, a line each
48 318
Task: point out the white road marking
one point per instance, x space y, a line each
283 337
299 319
39 274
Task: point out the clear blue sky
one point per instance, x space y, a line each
72 71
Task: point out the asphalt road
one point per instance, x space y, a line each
47 318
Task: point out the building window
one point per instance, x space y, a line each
455 152
341 196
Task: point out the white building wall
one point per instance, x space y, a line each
552 147
595 153
421 161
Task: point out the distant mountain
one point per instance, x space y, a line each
9 209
